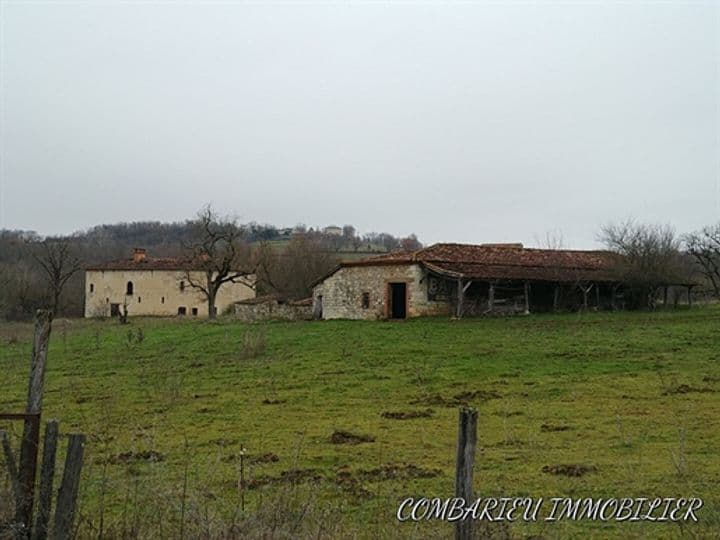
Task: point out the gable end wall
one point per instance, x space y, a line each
342 292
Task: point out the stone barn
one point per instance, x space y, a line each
462 279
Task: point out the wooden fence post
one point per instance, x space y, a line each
467 441
67 495
11 466
47 473
31 429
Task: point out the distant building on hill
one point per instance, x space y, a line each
462 279
154 286
333 230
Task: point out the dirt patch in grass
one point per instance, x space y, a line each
291 476
269 457
572 470
685 389
352 481
508 414
548 428
407 415
145 456
711 379
460 399
268 401
345 437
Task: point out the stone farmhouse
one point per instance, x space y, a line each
462 279
154 286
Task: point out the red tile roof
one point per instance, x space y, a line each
504 261
148 263
181 264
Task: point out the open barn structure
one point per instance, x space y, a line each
470 280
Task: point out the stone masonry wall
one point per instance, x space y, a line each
342 292
155 292
272 311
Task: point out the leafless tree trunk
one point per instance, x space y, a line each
704 246
220 252
649 258
59 264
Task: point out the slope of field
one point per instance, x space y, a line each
341 420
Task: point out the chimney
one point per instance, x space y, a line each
138 255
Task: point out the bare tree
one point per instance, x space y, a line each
290 272
59 263
650 258
553 240
220 252
704 246
411 243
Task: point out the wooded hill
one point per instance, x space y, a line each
291 257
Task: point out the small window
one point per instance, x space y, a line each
92 287
162 299
182 310
129 289
139 299
182 286
194 312
107 300
365 300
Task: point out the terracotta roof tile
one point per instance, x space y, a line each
505 261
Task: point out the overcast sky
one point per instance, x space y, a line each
468 122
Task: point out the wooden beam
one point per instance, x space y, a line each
526 289
597 296
491 296
556 297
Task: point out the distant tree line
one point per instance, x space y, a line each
40 271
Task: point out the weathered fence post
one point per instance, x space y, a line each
467 441
67 495
31 429
11 466
47 473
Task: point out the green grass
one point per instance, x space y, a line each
634 395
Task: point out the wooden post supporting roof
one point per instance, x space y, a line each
526 289
556 297
460 297
463 286
597 296
491 296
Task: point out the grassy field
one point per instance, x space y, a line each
168 404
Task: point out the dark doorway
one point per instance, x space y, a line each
182 310
398 300
114 310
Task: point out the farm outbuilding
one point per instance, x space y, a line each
464 280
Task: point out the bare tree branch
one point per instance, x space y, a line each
221 253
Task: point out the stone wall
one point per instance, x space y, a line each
342 292
273 310
155 292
